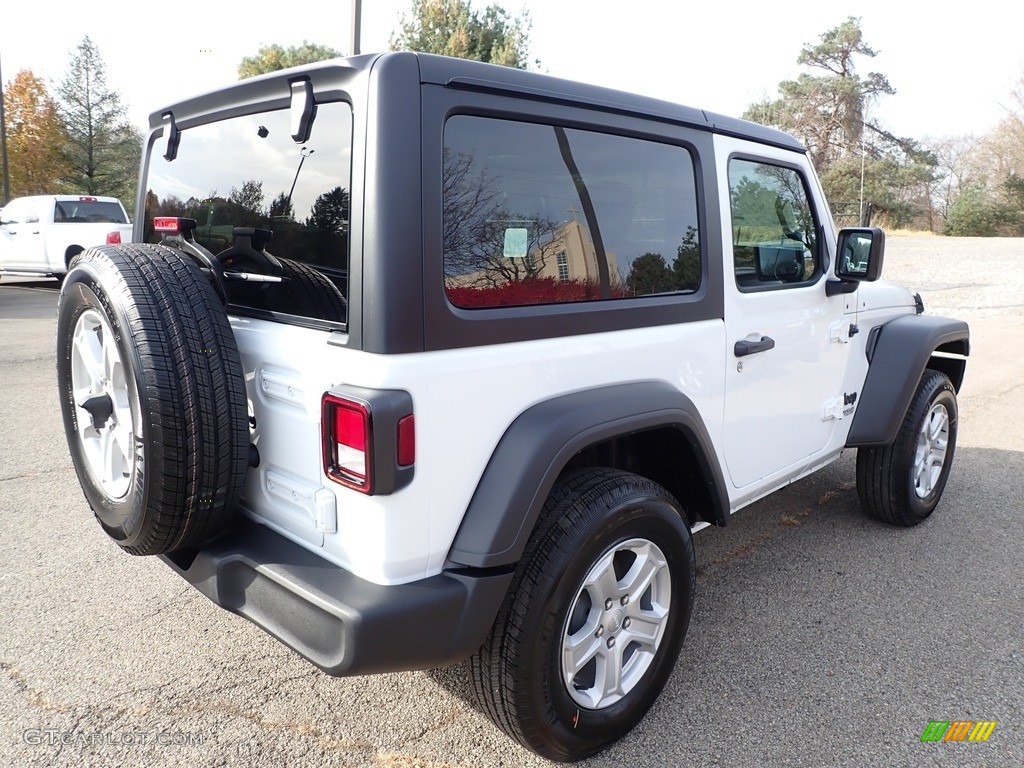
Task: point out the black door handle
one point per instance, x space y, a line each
745 347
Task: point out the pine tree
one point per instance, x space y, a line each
103 149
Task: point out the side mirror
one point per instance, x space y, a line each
860 251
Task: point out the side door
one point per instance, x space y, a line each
10 230
785 355
23 247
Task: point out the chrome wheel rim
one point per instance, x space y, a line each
99 386
932 445
616 623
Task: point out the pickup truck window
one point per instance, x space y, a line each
78 211
248 172
540 214
774 232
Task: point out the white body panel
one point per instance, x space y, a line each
464 401
777 417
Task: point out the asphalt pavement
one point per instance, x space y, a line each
819 637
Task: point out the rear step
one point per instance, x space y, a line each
341 623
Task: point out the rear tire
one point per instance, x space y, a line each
594 619
902 483
152 397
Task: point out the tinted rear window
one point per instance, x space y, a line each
79 211
248 172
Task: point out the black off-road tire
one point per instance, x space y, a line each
890 483
518 673
177 470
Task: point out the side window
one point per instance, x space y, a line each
539 214
774 233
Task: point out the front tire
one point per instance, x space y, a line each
594 619
902 483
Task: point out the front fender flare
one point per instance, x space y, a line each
540 442
899 354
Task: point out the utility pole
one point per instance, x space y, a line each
357 12
3 142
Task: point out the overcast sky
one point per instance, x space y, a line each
953 66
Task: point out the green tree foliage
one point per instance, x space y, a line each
270 58
453 28
650 274
330 212
35 137
281 207
103 150
250 196
827 110
687 262
975 213
991 186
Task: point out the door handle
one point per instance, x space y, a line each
746 347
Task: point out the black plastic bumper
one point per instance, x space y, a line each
341 623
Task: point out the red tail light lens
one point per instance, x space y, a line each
406 449
168 224
347 443
113 238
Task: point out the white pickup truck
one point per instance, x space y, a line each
39 235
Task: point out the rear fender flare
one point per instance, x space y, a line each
540 442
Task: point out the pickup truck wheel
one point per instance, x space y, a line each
901 483
152 396
594 618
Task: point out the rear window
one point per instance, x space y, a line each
248 172
79 211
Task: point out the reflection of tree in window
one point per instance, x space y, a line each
281 208
650 273
330 212
475 224
687 262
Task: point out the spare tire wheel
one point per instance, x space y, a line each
152 396
316 294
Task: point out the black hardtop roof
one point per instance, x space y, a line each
475 75
444 70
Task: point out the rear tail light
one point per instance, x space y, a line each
369 439
406 441
113 238
348 443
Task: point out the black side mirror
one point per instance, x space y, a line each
860 251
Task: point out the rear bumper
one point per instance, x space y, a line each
343 624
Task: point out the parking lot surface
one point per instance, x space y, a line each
819 637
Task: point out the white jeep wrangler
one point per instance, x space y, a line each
418 360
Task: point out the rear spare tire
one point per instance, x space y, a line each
152 396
